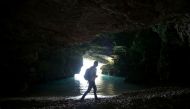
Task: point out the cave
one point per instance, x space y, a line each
145 42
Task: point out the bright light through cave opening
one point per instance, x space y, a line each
86 64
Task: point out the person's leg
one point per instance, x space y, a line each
95 89
88 90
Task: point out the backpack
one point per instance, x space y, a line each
87 74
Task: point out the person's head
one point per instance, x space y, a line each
95 63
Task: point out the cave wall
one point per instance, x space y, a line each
159 54
138 61
175 51
25 66
32 31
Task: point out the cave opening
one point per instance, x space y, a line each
87 63
47 45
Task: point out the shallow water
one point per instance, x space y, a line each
74 87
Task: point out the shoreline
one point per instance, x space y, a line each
159 97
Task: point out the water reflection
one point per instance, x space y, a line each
75 86
106 85
72 88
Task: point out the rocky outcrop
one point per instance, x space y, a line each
153 55
175 50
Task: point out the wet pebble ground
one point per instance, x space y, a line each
153 98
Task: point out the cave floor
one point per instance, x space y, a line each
153 98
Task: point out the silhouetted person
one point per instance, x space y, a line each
91 81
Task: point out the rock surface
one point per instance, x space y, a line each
154 98
69 21
32 31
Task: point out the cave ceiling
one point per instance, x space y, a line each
70 21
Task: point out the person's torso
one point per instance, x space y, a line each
92 73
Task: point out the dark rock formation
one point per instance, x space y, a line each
24 70
157 54
32 31
64 21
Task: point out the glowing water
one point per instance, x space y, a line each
75 86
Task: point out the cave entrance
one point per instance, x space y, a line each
107 86
87 62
